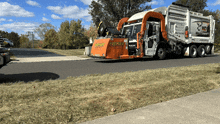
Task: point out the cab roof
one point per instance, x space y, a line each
140 15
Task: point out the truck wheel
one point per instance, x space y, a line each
201 51
207 49
193 51
161 53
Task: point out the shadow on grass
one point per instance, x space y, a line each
26 77
169 57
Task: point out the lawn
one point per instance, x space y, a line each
84 98
68 52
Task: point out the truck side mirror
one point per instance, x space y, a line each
186 28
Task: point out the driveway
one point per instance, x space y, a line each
30 52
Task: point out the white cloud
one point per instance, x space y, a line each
155 2
2 19
88 18
55 16
33 3
86 26
44 14
215 4
45 19
86 2
19 26
10 20
7 9
73 12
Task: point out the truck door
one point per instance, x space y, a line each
152 37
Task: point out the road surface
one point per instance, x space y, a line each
62 69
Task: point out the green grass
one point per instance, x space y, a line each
84 98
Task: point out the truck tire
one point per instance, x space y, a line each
207 49
193 51
201 51
161 53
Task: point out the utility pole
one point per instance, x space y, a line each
31 37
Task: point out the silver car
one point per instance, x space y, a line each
10 43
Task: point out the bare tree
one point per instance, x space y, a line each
42 29
111 11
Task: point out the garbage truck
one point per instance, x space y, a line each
4 53
157 33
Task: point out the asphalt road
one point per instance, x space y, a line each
29 52
62 69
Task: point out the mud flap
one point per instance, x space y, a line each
212 51
187 52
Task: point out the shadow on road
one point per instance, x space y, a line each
169 57
26 77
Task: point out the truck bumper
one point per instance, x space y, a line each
95 57
109 48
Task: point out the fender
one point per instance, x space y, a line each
121 22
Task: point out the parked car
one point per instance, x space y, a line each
8 42
4 53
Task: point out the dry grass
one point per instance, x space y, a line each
69 52
84 98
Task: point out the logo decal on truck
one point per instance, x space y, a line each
116 43
99 44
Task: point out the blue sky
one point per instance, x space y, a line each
25 15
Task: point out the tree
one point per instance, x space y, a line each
194 5
51 39
75 28
14 37
78 39
92 32
64 35
42 29
111 11
3 34
24 41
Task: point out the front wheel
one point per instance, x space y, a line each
161 53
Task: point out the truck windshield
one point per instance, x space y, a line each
131 31
127 30
137 28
